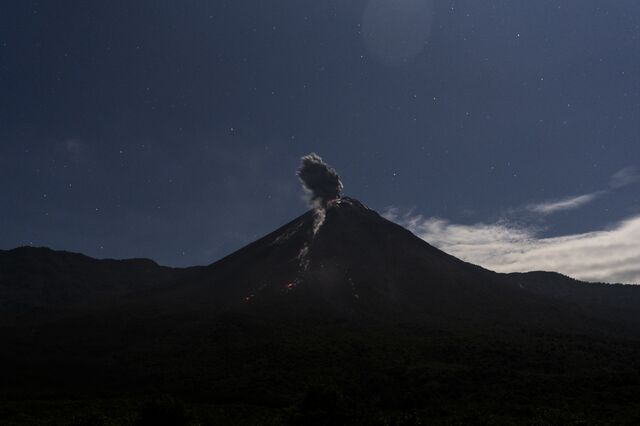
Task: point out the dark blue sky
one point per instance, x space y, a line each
172 130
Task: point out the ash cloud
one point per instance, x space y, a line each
323 185
319 179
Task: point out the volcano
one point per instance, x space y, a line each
346 261
349 262
340 298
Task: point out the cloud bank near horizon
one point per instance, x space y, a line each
611 255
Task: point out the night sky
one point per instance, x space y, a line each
173 130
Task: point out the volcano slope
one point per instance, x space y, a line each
338 317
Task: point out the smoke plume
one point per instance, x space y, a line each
319 180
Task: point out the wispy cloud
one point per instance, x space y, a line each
568 203
624 177
609 255
620 179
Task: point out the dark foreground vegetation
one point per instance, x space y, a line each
237 373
